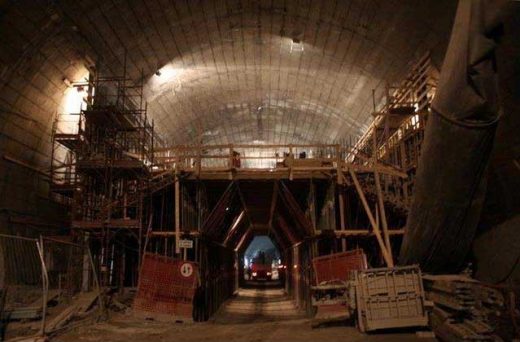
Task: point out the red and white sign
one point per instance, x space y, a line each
166 287
186 270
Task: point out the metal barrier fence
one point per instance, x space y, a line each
38 272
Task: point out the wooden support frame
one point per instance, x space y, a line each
234 226
386 254
362 232
273 204
382 212
341 198
311 203
177 189
244 206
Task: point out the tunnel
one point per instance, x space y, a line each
236 169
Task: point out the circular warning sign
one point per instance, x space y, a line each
186 270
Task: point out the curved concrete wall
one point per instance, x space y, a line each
38 50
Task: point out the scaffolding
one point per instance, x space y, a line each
102 165
396 134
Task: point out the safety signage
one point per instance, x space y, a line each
185 243
186 269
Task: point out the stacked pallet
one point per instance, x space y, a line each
462 307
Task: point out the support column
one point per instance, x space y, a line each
341 198
382 211
177 214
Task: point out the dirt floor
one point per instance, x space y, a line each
255 314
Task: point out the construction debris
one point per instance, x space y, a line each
462 308
330 295
29 311
60 313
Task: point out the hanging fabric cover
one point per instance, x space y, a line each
450 181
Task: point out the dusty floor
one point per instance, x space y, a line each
261 314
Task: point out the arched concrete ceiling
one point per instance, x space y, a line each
277 71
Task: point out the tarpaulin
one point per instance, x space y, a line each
450 181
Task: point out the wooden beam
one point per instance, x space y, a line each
273 204
354 232
243 239
177 214
378 181
382 211
339 182
244 206
234 227
382 246
172 233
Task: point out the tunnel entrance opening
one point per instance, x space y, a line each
262 263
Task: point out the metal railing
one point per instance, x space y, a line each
249 156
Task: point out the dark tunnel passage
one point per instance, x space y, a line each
239 214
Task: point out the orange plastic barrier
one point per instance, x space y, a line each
337 266
166 287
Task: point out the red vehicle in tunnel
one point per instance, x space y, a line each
261 267
260 271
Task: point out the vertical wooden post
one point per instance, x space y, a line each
230 162
291 160
342 220
404 166
341 198
177 214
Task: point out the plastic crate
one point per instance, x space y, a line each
389 298
336 267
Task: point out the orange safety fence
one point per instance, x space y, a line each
166 287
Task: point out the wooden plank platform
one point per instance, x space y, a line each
99 224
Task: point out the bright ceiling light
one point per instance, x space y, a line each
296 45
167 73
